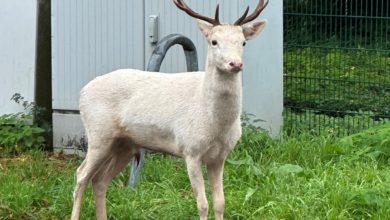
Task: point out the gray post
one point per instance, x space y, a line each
154 65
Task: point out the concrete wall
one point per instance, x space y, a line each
17 52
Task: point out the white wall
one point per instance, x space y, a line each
91 38
17 52
263 74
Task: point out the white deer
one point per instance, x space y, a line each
195 116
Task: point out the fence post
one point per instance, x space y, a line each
154 65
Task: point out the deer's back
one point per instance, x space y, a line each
149 106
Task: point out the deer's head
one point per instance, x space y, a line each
226 41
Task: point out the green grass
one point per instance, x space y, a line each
299 176
319 124
336 89
337 82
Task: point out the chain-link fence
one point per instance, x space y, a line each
336 64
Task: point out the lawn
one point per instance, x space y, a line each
337 82
297 176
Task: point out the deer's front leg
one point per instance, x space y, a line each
194 169
215 173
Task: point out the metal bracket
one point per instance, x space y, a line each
153 29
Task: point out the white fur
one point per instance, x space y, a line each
195 116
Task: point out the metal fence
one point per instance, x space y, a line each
336 64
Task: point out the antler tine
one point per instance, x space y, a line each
260 7
238 22
184 7
217 15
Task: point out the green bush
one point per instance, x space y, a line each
347 23
18 132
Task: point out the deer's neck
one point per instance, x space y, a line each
222 95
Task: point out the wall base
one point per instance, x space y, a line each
68 134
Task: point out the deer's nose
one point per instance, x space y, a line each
236 65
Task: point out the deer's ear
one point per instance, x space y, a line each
254 29
205 27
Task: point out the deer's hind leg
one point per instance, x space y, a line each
97 155
100 151
120 156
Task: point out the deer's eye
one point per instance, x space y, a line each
214 42
243 44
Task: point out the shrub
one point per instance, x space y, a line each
18 133
350 23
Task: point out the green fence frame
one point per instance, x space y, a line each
336 64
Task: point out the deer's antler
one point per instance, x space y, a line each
184 7
245 19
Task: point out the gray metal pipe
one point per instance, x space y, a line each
154 65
